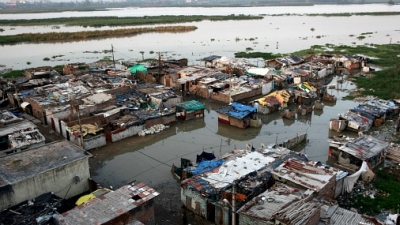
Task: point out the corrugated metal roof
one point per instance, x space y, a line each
109 206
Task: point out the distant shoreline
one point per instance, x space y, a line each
82 7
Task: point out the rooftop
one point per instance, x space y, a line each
237 168
337 215
305 174
26 164
15 127
273 200
364 147
25 138
109 206
237 110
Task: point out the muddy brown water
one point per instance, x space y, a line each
149 159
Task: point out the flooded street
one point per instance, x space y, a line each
148 159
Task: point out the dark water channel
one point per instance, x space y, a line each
148 159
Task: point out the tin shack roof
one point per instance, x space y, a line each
109 206
336 215
17 167
364 147
305 174
15 127
192 105
273 200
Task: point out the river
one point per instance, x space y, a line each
276 34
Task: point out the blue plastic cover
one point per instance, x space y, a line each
205 166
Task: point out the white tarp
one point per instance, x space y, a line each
235 169
349 181
24 105
258 71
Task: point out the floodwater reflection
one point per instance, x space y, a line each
149 158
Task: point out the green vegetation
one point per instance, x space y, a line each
13 74
361 37
84 35
385 84
366 33
122 21
46 59
386 199
249 49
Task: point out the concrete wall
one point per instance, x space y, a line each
339 187
61 181
94 142
89 143
194 202
223 216
128 132
291 142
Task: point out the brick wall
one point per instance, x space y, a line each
119 90
99 119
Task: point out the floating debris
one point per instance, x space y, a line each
152 130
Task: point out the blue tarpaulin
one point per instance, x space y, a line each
237 110
205 166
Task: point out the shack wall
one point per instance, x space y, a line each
128 132
167 119
194 202
60 180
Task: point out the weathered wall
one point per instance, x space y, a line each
194 202
61 181
167 119
129 132
223 216
339 187
89 143
246 219
94 142
291 142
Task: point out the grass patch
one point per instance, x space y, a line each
367 33
361 37
13 74
388 199
84 35
385 84
123 21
